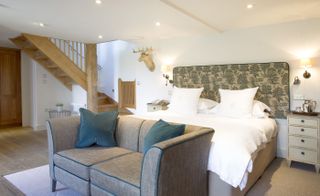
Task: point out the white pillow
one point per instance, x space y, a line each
185 100
259 110
206 104
237 103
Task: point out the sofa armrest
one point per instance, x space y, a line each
62 134
177 166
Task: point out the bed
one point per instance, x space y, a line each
273 82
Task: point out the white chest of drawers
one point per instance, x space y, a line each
304 139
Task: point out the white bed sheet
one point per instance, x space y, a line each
234 145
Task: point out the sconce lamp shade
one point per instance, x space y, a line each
167 72
306 63
166 69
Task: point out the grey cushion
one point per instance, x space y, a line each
72 181
119 176
127 133
78 161
96 191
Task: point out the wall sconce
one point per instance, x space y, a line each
167 70
296 80
306 63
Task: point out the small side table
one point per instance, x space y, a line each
155 107
59 114
304 139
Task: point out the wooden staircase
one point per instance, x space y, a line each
43 51
69 62
106 103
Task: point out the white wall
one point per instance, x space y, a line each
40 92
283 42
79 98
26 90
108 75
47 92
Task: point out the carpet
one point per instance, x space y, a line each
277 180
36 182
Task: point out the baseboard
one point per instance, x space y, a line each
282 152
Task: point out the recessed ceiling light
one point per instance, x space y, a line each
98 1
40 24
100 36
158 24
250 6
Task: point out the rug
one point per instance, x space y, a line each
36 182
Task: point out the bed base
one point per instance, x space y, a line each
217 187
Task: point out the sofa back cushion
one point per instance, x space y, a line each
127 133
146 126
131 132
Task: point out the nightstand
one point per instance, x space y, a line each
155 107
304 139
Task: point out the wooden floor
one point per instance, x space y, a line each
20 149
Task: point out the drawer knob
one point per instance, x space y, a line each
302 130
154 108
302 141
302 121
302 153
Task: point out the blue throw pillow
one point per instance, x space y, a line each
96 129
161 131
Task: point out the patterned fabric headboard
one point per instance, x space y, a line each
271 78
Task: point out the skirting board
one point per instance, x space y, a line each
282 152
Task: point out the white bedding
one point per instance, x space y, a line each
234 145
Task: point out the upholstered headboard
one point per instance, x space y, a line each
271 78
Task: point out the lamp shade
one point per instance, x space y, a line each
166 69
305 62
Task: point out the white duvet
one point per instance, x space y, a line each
234 145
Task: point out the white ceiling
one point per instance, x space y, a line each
135 19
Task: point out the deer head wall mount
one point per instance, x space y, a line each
146 57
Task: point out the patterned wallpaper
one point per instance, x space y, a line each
271 78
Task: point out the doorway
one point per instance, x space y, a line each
10 88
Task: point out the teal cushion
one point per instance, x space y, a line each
96 129
161 131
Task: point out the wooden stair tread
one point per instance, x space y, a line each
108 105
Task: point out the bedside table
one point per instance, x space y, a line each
155 107
304 139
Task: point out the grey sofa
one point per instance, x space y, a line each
174 167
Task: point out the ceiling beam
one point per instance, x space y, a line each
187 13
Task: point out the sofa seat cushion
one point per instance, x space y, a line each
119 176
78 160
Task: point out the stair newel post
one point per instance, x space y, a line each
92 76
